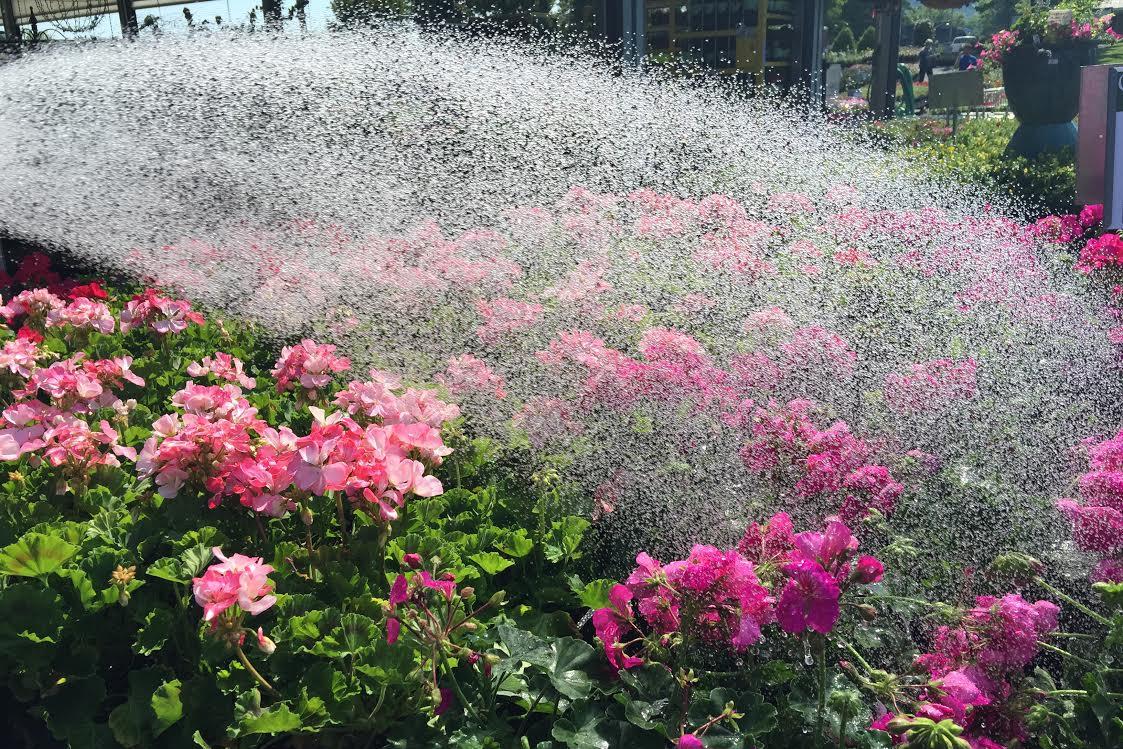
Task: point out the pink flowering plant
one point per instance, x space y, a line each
206 539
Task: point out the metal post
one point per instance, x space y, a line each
808 57
634 35
883 85
11 25
127 13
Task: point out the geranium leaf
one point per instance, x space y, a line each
491 562
35 555
278 719
167 706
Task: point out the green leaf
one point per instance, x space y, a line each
594 594
154 632
491 562
35 555
166 706
277 719
516 544
566 670
645 714
523 646
71 710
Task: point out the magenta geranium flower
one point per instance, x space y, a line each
809 599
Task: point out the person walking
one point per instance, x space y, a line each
924 59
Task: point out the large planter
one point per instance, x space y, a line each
1043 91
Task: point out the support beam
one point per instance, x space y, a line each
808 57
11 25
634 36
127 14
883 86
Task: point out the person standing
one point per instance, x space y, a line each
967 60
924 59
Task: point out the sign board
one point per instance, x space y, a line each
1113 169
955 90
833 84
1091 136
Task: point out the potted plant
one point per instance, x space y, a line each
1041 56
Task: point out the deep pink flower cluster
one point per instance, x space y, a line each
725 598
1097 517
786 444
162 315
308 365
1104 251
238 581
931 386
974 668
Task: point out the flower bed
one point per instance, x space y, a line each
209 542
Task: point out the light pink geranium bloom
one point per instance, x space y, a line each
239 580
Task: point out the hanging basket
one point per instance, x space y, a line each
944 4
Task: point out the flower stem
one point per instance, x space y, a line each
1077 693
460 692
253 671
1073 602
342 519
1066 654
821 717
857 656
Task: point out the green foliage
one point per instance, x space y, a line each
868 39
975 155
843 40
922 32
358 13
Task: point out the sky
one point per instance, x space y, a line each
172 20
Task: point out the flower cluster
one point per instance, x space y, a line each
221 446
786 445
434 615
725 598
1097 516
228 591
222 367
162 315
974 669
930 386
308 365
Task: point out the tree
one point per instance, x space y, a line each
356 13
922 32
843 39
868 39
994 15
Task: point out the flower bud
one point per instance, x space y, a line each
867 612
411 560
306 515
264 644
899 725
467 592
123 599
497 598
470 626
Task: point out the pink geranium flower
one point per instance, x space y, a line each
237 581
